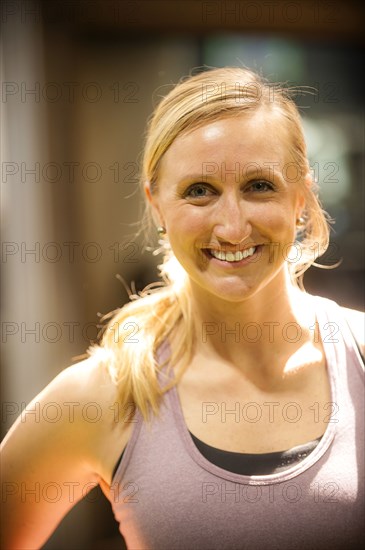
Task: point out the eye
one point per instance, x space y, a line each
261 186
197 190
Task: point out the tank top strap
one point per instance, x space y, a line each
164 371
335 328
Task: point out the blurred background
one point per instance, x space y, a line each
79 80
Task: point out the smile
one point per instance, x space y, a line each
232 256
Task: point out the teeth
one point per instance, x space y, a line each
232 256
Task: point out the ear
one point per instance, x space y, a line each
308 180
152 199
307 184
147 190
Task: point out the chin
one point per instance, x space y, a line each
236 290
232 292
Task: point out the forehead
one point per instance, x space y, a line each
260 137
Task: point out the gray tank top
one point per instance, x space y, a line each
166 495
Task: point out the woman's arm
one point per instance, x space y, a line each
49 457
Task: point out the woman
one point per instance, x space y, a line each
231 400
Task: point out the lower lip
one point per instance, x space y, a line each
232 265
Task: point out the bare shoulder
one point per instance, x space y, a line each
356 322
92 399
93 413
62 439
73 416
80 394
88 383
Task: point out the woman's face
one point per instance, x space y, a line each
228 195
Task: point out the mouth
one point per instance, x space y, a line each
237 257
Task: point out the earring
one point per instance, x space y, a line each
161 230
300 222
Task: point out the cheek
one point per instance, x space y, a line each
274 217
277 224
188 230
187 222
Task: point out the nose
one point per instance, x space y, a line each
232 223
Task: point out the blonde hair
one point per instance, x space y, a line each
195 101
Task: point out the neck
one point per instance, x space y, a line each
273 322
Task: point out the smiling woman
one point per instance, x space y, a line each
233 212
244 394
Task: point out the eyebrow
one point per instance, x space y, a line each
262 171
198 176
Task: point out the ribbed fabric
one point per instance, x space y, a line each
167 496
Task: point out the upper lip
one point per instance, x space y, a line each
227 249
